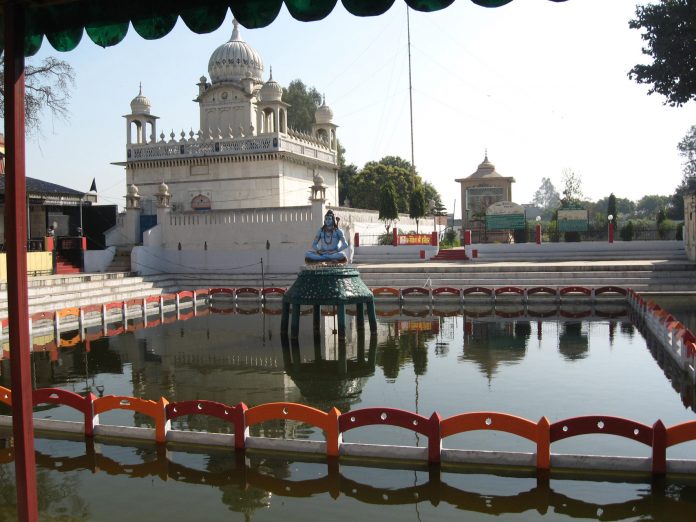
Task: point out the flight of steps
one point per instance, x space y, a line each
65 266
451 254
51 293
121 261
643 277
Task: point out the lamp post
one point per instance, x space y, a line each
537 230
610 217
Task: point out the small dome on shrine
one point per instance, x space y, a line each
140 104
323 114
271 90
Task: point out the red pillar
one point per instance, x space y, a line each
433 239
611 231
537 233
16 241
395 239
356 240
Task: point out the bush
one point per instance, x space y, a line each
665 227
385 239
680 233
572 237
627 232
449 239
520 234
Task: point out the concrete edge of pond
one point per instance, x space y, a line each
369 451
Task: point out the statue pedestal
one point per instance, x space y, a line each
328 285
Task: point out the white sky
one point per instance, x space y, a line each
542 85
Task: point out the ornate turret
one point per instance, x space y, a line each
141 118
324 129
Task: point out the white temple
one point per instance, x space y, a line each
243 156
243 192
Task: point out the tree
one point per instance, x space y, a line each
572 188
546 197
431 194
303 104
668 30
417 205
388 212
367 183
687 150
47 86
649 206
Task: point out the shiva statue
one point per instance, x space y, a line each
328 244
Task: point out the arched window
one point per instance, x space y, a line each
200 202
322 135
269 120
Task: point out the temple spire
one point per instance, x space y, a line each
235 30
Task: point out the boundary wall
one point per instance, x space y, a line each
229 240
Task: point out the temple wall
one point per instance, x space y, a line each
690 226
236 240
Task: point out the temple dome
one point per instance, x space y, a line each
323 114
235 60
271 90
140 104
486 170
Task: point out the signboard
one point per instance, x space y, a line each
572 220
413 239
505 215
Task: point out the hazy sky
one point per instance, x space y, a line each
541 85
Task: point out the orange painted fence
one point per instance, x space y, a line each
542 433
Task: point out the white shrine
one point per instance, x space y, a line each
243 156
243 187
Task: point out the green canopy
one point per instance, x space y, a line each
106 22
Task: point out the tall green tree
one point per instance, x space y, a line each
48 87
667 28
388 211
367 183
303 102
417 205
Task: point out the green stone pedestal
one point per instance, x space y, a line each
328 285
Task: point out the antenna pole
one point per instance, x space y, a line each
410 87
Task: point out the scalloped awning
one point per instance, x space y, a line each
106 22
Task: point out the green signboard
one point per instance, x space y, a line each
572 220
505 221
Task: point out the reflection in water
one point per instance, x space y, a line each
324 382
252 481
573 342
489 344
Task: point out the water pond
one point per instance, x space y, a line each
529 362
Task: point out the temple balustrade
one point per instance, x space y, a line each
212 145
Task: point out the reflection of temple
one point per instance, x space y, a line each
327 382
490 344
573 343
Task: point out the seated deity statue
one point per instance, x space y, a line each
328 244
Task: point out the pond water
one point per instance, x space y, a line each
577 361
